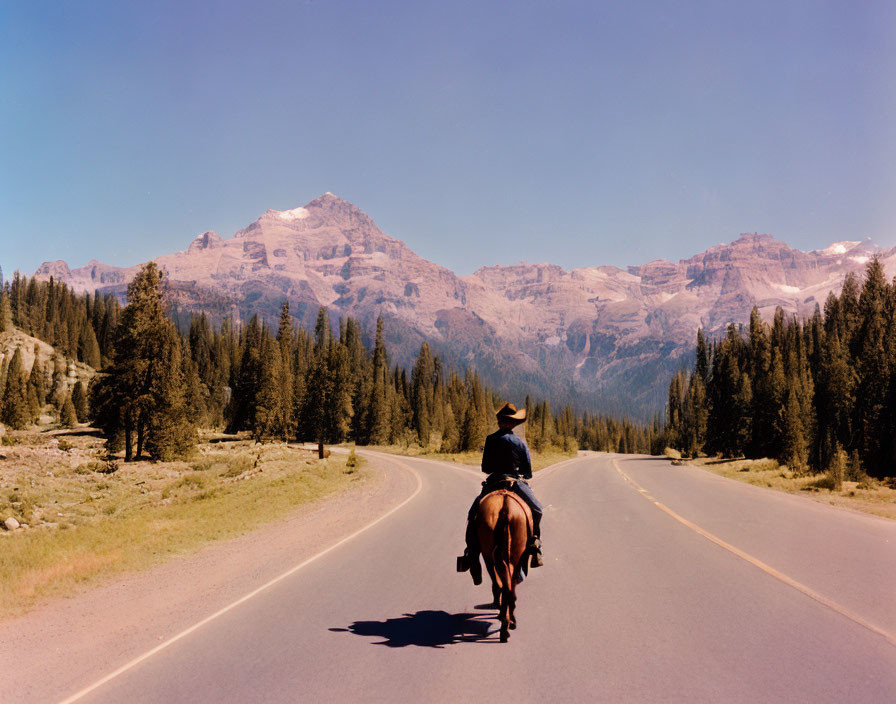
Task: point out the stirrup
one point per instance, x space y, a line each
463 562
534 550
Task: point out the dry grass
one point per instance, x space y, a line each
87 518
540 460
867 496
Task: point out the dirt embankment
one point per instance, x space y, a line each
860 493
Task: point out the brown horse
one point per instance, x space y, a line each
503 524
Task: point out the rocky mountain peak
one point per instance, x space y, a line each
333 209
58 270
207 240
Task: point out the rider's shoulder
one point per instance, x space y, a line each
509 437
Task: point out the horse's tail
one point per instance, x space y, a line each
501 555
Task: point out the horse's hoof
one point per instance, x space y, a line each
505 636
512 625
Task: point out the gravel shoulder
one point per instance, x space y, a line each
81 638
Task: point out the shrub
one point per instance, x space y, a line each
837 469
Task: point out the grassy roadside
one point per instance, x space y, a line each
540 460
85 521
867 496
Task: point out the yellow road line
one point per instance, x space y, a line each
780 576
183 634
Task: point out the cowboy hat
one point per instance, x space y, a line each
509 412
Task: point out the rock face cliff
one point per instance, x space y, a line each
598 336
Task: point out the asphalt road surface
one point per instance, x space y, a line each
660 583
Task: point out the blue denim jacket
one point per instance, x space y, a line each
505 453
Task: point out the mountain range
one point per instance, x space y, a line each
601 337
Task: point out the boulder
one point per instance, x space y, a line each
11 523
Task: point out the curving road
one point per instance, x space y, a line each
661 584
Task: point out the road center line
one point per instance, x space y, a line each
183 634
780 576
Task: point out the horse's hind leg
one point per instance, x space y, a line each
508 602
496 594
511 609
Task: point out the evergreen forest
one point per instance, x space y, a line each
817 394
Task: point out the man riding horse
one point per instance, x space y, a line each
505 458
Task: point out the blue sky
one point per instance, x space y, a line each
580 133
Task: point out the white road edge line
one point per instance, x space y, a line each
823 600
183 634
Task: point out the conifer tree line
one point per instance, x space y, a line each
78 326
158 386
808 393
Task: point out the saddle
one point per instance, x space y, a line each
505 486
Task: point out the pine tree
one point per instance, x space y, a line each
473 432
675 411
5 311
362 397
15 410
195 392
247 382
284 425
381 402
88 347
696 415
37 379
319 389
4 370
872 390
474 428
776 400
79 400
794 446
68 418
765 410
270 398
143 393
339 404
702 365
422 388
730 425
170 431
451 434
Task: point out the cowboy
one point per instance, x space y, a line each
504 455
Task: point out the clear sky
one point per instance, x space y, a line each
580 133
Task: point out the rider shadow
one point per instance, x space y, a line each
426 629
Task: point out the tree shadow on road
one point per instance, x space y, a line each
427 629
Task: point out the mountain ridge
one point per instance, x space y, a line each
598 336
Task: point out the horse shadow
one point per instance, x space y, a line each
424 629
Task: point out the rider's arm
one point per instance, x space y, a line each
485 455
525 461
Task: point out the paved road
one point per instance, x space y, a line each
634 604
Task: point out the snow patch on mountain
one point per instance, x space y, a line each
840 247
294 214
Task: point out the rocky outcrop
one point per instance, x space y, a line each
599 336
